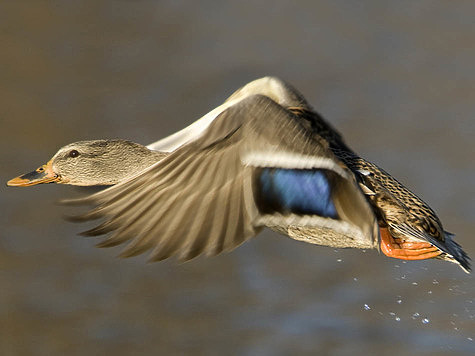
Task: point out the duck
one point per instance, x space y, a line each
264 158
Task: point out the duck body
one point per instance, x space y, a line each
264 158
404 216
401 214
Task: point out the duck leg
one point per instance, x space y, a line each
396 248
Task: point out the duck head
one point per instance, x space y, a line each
89 163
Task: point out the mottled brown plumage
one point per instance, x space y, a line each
406 215
245 166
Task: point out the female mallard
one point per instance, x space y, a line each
262 159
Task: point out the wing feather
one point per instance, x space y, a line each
200 198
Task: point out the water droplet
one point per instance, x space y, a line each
414 283
397 318
403 277
339 260
399 301
396 266
425 321
392 313
469 339
367 307
429 292
355 279
435 281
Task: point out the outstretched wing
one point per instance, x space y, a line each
201 197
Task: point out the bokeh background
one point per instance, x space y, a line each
395 77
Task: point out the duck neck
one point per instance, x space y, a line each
112 168
133 165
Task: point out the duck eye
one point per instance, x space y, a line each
73 153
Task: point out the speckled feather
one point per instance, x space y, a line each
405 214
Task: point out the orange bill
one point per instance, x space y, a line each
397 248
43 174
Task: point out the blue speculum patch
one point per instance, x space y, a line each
299 191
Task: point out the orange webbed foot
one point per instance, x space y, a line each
411 251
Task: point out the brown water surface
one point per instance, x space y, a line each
397 78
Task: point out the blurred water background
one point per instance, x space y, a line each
395 77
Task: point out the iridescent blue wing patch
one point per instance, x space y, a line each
297 191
